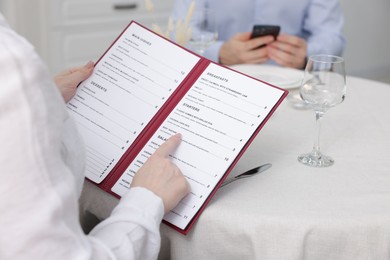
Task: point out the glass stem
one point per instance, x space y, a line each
316 146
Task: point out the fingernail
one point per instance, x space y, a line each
89 65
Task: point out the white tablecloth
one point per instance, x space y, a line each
292 211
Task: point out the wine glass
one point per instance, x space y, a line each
323 86
204 30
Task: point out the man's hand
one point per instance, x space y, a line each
288 51
241 49
68 80
162 177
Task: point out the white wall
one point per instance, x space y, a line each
367 30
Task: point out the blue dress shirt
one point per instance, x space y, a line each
319 22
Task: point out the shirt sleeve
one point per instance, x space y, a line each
179 13
132 230
324 23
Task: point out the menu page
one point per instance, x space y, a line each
216 118
129 85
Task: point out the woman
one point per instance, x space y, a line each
42 163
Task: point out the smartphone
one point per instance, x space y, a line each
263 30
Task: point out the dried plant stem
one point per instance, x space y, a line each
182 29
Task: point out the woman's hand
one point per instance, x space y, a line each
68 80
161 176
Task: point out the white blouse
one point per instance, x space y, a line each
41 175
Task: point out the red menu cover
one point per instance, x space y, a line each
145 89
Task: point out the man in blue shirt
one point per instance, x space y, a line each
307 27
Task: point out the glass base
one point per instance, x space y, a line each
316 159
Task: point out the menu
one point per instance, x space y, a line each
145 89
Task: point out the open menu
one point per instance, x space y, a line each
145 89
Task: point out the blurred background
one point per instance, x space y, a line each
68 33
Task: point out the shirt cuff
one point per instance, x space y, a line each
132 230
212 53
142 198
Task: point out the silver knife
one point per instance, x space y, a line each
249 173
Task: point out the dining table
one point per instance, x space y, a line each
293 211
